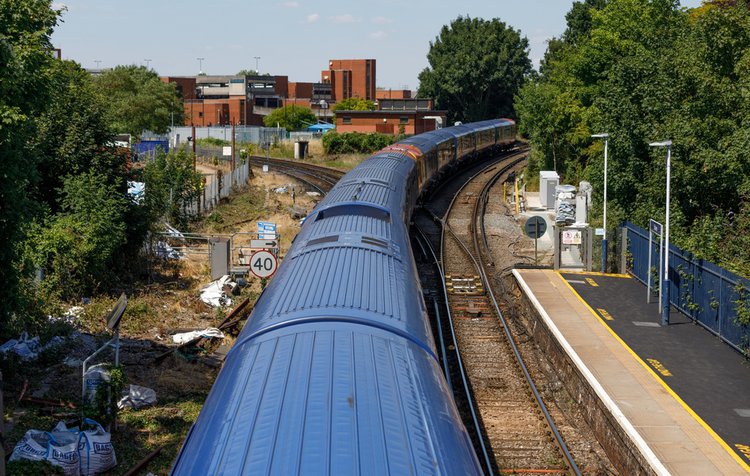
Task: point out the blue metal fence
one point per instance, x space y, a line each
147 149
700 289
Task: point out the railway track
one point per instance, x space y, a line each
318 178
511 427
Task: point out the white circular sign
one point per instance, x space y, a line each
263 264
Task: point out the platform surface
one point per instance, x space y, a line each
682 395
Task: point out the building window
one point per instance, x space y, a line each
403 120
200 114
346 120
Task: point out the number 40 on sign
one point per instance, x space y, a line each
263 264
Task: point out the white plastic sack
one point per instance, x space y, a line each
62 450
137 397
94 377
95 449
27 349
33 446
59 447
213 294
210 332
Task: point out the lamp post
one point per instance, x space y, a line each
604 136
665 278
147 62
257 71
200 65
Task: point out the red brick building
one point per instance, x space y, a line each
389 122
351 78
392 94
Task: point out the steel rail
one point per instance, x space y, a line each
488 286
422 240
462 370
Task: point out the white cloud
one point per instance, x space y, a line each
346 18
378 35
313 17
60 6
290 4
381 20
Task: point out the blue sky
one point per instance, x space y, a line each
291 37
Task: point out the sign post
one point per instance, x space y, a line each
535 227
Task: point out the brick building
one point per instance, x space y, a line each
245 100
350 78
389 122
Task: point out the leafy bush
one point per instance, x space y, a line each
171 183
77 247
355 142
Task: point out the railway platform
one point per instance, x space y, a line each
680 397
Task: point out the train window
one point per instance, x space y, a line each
359 210
346 120
403 120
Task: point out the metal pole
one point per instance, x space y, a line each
665 283
661 268
648 270
233 146
194 156
536 239
604 237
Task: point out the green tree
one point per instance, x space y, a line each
646 70
476 68
354 104
171 184
290 117
25 57
73 135
77 247
137 100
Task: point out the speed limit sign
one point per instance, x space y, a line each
263 264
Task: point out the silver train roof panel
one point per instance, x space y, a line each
329 400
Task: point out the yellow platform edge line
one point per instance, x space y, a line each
593 273
684 405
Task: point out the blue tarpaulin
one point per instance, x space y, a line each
321 127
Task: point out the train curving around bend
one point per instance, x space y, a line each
336 372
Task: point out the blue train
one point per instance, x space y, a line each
336 371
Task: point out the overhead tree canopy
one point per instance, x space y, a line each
137 100
476 67
25 57
290 117
647 70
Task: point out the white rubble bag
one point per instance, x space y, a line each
93 378
59 447
95 449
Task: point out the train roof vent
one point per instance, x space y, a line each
323 239
369 240
359 209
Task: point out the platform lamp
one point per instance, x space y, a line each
604 136
665 279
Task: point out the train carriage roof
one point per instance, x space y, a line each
329 399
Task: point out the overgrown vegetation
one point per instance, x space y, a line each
355 142
291 118
137 100
645 71
69 228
